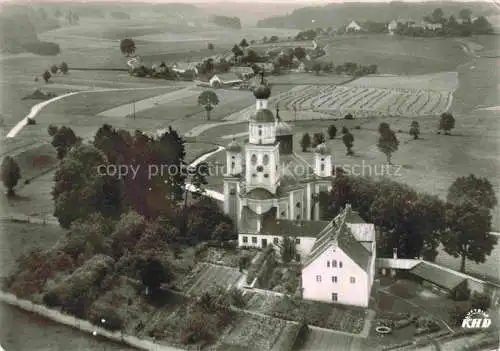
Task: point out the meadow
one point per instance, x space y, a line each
397 55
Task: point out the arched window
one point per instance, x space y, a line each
260 132
266 160
253 159
297 205
233 165
233 157
260 169
322 167
322 159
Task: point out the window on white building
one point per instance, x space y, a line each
276 241
334 263
340 264
233 165
322 167
327 264
352 280
266 175
334 279
297 205
297 241
253 159
265 160
245 239
254 240
297 257
260 169
318 278
335 296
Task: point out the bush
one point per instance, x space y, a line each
480 301
244 262
64 67
349 116
53 69
30 121
52 130
236 298
51 299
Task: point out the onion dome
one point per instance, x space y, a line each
259 194
262 92
263 116
322 149
233 146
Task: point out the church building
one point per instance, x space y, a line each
272 192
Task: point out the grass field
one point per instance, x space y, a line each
397 55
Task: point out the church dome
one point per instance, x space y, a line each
260 194
322 149
283 129
234 146
262 92
263 116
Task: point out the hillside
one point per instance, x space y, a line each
336 15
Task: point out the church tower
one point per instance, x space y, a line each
232 179
262 151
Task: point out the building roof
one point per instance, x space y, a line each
259 194
284 227
263 116
437 275
339 234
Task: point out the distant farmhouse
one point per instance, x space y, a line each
353 26
272 193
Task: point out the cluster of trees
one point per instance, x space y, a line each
54 69
227 22
416 223
349 68
271 39
306 142
209 66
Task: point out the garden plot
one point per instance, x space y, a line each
321 340
205 276
253 332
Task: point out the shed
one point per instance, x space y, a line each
438 278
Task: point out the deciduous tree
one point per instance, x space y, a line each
288 249
208 99
348 140
305 142
11 173
387 142
332 131
467 235
127 47
446 122
471 188
414 129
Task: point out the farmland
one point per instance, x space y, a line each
396 55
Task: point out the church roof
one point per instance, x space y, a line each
285 227
263 116
259 194
339 234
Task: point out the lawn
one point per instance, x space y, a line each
20 238
205 276
324 315
397 55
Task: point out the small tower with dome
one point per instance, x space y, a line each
234 156
322 161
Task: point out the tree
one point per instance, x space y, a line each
244 43
153 274
274 39
414 129
332 131
251 57
53 69
236 50
288 249
199 178
127 47
46 76
208 99
316 67
305 142
63 140
437 15
52 130
467 235
224 231
465 15
210 46
447 122
318 138
477 190
11 173
387 142
64 67
300 53
348 140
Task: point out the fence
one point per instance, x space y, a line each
83 325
